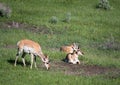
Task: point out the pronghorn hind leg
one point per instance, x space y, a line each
17 55
35 61
23 56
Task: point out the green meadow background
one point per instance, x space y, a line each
97 31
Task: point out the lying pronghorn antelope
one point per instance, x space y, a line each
73 57
30 47
69 49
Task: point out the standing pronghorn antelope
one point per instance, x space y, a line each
69 49
30 47
73 57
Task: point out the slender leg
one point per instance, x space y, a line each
23 55
32 58
17 55
71 61
35 61
74 62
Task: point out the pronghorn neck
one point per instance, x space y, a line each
41 55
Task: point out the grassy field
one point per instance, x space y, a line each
97 31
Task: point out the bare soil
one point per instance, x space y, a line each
23 26
32 28
85 70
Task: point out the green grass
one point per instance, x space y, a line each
88 27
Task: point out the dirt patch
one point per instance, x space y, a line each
24 26
86 70
8 46
32 28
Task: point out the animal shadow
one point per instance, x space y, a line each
64 60
12 61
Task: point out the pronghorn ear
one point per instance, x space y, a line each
72 47
74 44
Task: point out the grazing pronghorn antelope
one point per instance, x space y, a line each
30 47
69 49
73 57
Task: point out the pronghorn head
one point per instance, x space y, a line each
77 49
47 62
79 52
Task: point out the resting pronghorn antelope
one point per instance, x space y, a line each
73 57
69 49
30 47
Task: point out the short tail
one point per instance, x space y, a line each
18 43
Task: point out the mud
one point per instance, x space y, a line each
82 69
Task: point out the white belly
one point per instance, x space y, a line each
27 49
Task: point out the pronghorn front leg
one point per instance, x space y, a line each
77 60
71 61
23 55
32 58
35 61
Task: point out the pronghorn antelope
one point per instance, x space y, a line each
69 49
30 47
73 57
